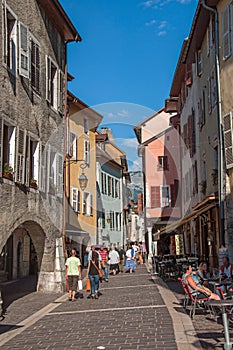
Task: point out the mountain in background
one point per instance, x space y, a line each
136 185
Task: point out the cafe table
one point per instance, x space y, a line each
223 304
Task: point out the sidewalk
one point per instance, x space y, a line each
135 311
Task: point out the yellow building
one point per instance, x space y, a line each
80 207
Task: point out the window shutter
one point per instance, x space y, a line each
48 79
35 65
155 196
226 48
91 204
227 123
79 202
60 91
20 156
5 34
23 51
28 155
1 145
59 168
43 162
74 198
87 151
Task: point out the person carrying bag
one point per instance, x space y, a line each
93 274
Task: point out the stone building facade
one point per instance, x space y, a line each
33 71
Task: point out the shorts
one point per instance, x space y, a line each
73 283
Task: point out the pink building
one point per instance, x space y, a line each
159 147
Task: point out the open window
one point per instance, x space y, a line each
9 39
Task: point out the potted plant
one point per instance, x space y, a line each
8 171
33 183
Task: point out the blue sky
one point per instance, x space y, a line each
128 54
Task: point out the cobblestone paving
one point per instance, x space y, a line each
130 314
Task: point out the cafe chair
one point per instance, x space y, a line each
195 301
186 295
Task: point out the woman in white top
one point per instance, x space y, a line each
114 260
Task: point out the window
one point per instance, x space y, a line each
54 84
212 91
73 146
195 179
227 19
216 158
52 171
43 167
87 203
9 39
210 36
103 219
118 221
8 145
112 220
32 161
162 163
165 196
199 62
87 152
34 65
75 199
201 110
228 142
116 188
20 156
86 126
109 185
29 57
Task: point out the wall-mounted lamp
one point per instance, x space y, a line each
83 180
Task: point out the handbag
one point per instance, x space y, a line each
80 284
88 285
99 271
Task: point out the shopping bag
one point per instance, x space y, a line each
88 285
80 284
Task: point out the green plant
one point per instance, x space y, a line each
7 168
33 181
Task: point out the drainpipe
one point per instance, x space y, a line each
221 197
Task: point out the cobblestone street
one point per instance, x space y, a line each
130 314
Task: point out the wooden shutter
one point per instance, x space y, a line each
74 198
20 156
1 144
59 173
60 92
87 151
226 43
35 65
43 162
28 160
23 51
227 124
5 33
155 196
79 202
48 79
174 192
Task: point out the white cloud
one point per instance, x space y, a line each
130 143
150 23
148 3
162 33
162 25
123 113
110 115
135 165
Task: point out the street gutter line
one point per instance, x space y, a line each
138 286
109 309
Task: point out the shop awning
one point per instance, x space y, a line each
208 203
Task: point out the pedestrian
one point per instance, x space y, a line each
136 250
73 273
93 250
93 274
140 253
122 259
114 261
104 262
130 260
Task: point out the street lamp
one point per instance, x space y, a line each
83 180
